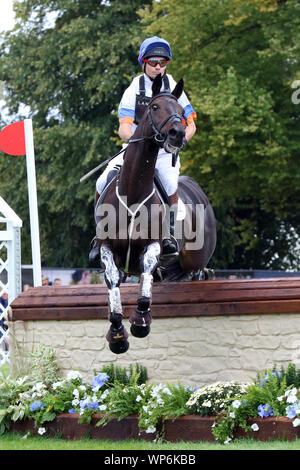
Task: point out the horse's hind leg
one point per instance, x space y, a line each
117 334
141 318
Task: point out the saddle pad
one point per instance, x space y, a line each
181 210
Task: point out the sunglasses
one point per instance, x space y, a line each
155 62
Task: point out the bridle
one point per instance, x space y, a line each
158 136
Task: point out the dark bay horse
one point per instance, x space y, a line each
132 218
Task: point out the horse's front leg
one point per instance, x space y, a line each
141 318
117 334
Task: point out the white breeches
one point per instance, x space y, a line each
167 173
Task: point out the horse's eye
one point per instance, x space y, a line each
155 107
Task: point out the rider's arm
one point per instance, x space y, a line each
190 129
125 131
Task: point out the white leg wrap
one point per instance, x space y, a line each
149 262
112 279
114 297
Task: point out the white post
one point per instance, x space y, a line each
33 206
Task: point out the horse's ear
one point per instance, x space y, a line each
178 89
156 86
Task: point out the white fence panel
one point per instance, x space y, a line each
10 270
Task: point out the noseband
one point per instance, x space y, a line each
158 135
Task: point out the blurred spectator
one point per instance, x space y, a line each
26 287
76 277
4 300
57 282
45 281
3 320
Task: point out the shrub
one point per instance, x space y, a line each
121 375
268 396
210 400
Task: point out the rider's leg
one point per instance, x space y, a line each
170 245
169 177
95 250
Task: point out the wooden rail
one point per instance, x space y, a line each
176 299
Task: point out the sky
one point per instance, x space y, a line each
6 15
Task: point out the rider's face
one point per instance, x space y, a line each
152 72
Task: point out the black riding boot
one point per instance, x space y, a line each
94 255
170 245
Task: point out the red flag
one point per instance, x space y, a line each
12 139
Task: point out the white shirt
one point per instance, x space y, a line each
126 110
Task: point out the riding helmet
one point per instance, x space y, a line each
154 47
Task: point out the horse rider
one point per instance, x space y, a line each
155 54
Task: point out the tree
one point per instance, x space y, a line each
68 62
239 59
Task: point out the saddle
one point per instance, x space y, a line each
112 175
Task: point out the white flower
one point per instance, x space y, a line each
207 403
102 407
76 393
232 415
236 403
39 386
227 440
41 431
55 385
254 427
82 387
296 422
73 375
21 380
145 408
167 391
151 429
138 398
280 398
291 399
75 402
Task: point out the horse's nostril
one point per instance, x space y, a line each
173 132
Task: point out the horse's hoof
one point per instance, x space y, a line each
140 331
119 347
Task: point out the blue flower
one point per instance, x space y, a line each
264 411
293 410
276 373
35 405
71 411
100 380
84 404
266 379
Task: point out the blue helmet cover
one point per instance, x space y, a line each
152 43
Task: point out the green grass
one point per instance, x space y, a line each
4 369
15 441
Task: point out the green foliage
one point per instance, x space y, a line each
269 395
123 400
70 74
238 65
44 367
290 374
45 395
119 374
